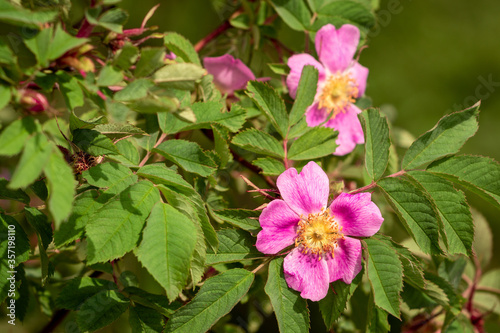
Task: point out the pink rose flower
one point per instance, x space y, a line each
325 250
230 74
341 80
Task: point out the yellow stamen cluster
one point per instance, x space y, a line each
318 234
338 92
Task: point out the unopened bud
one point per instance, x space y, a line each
33 100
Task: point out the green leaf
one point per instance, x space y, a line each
22 244
317 142
116 131
294 12
216 297
126 56
160 174
113 176
234 245
61 186
5 93
211 112
18 195
194 208
452 210
280 69
412 270
13 138
101 310
178 73
129 155
378 321
93 142
75 122
242 218
206 114
36 154
70 89
113 19
188 155
336 300
461 324
181 47
483 238
221 145
269 166
414 210
85 205
79 289
151 59
43 229
50 44
19 16
145 320
109 76
290 309
160 303
154 104
259 142
167 246
306 91
446 138
377 142
134 90
342 12
478 174
271 104
386 275
116 228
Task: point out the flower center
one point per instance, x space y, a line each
338 91
318 233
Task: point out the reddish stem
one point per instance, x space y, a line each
219 30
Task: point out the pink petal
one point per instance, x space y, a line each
296 64
307 274
360 74
306 192
230 74
315 116
279 224
336 47
350 130
357 214
346 263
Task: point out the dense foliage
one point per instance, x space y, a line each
135 170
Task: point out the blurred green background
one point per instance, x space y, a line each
425 59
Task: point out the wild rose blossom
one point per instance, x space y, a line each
324 248
230 74
341 80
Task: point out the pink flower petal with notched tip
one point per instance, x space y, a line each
346 263
306 274
357 214
296 64
336 47
279 224
349 128
230 74
306 192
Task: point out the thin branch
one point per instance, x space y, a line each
148 154
374 184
